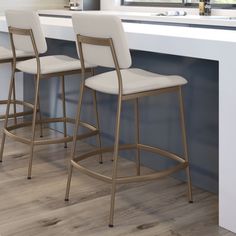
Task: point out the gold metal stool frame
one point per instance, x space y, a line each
183 163
93 130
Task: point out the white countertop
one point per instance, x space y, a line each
55 28
227 21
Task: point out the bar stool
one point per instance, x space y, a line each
101 41
26 35
7 57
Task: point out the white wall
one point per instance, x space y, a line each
31 4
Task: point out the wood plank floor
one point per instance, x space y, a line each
36 207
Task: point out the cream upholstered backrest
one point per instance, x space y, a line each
24 19
102 26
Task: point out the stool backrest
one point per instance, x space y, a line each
102 27
26 20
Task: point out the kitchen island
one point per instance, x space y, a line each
216 45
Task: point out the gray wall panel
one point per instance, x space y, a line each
159 115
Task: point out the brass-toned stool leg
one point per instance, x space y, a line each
97 124
137 135
14 99
39 111
115 163
184 140
40 117
70 171
64 106
73 148
33 127
7 112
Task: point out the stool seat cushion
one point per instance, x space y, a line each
134 81
6 54
50 64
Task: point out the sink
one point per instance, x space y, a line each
211 17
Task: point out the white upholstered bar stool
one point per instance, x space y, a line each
27 35
7 57
101 41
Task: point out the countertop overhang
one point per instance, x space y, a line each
152 17
61 28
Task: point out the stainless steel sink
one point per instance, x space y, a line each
218 17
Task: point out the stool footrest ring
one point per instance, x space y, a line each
129 179
8 131
18 114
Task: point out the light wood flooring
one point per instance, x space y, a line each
36 207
